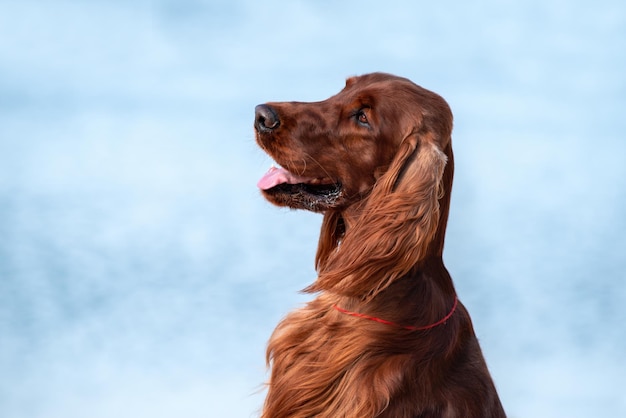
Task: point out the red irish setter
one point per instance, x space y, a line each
386 335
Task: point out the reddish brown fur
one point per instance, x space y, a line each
380 254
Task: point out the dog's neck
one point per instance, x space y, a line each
351 214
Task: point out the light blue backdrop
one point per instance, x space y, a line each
140 271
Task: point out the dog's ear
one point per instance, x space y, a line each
394 232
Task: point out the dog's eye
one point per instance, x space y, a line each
361 116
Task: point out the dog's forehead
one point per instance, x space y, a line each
382 94
375 78
361 82
380 85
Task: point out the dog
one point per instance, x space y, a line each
386 335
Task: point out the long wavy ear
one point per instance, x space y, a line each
393 233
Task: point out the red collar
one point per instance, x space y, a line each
409 327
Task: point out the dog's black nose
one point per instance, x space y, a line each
265 118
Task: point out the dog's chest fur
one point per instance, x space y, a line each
320 361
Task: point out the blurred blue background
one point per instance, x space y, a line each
141 273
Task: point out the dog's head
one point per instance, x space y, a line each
331 153
382 144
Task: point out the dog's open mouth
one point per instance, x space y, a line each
287 189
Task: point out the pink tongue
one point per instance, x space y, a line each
278 175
